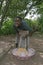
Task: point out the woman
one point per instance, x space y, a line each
22 30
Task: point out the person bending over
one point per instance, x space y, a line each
23 30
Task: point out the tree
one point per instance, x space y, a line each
17 7
4 11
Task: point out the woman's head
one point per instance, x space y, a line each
18 21
18 18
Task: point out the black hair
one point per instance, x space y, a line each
19 18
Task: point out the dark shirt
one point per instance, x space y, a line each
23 26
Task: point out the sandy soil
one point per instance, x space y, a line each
36 42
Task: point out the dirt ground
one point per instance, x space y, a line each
36 42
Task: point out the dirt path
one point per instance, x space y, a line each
36 42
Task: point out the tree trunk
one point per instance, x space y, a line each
5 11
1 4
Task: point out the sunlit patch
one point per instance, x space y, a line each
41 55
1 50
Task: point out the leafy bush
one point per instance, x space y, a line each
32 24
7 27
40 24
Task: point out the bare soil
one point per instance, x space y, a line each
36 42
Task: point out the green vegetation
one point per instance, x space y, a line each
7 26
13 8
